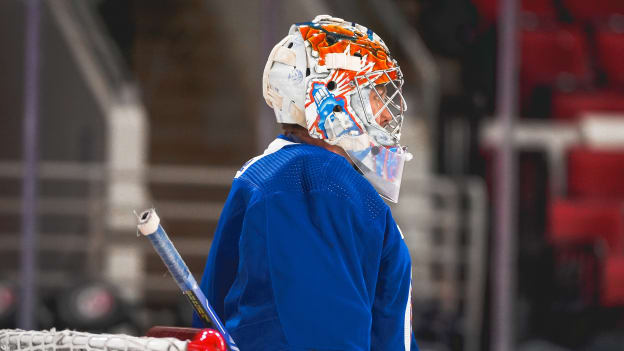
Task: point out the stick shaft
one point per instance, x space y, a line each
187 283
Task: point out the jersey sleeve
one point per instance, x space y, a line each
222 263
392 310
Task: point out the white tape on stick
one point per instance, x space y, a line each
148 222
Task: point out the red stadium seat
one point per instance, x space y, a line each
574 222
542 8
585 10
612 287
553 57
488 9
596 174
610 45
571 106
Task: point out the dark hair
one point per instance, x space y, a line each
289 128
300 135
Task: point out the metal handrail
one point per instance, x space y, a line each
449 220
90 205
71 170
105 52
158 174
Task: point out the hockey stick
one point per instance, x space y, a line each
149 225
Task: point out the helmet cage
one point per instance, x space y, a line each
391 80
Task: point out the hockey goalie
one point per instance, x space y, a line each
307 255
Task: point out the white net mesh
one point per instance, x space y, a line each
68 340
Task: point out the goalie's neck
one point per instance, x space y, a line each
301 136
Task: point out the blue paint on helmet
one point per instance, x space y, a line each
325 104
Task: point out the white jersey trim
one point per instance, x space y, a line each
407 326
274 146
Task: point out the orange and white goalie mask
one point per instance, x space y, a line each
338 80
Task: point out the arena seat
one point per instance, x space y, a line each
488 9
541 8
579 222
571 106
584 10
553 57
610 50
596 174
612 286
592 214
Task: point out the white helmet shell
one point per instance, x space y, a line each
283 81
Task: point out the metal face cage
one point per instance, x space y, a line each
387 85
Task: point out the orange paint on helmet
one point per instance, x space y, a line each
357 42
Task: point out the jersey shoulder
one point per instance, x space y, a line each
302 168
294 168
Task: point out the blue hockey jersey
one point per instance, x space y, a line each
307 256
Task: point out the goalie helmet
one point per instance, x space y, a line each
338 80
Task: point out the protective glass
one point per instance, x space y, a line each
382 166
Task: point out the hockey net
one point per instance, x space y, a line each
68 340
